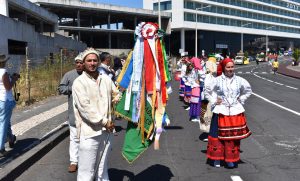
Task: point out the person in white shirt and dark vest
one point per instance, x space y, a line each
227 93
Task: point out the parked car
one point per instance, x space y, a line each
239 60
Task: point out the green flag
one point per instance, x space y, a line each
133 145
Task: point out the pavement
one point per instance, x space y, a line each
38 128
286 68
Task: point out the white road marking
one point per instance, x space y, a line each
275 82
236 68
22 127
247 72
264 72
291 87
286 146
240 72
280 106
278 83
236 178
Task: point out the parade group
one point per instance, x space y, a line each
137 88
215 97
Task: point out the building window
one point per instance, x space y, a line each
190 17
16 47
213 20
166 5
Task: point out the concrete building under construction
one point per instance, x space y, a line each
103 26
25 24
47 26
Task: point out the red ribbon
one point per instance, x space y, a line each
162 72
149 67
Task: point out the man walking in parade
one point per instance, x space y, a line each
65 87
93 95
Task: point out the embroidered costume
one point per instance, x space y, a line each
228 124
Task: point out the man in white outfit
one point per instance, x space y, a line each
93 95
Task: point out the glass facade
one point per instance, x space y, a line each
233 8
166 5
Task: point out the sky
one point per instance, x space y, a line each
127 3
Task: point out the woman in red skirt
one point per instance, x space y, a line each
227 93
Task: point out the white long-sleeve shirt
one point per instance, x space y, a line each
92 103
233 91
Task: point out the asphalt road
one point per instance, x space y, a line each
272 153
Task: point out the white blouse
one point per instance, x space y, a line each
183 70
233 91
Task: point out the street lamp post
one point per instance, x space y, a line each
159 16
242 37
267 39
196 29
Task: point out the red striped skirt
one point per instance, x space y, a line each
233 127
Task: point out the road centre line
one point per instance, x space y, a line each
278 83
236 178
275 82
21 127
280 106
291 87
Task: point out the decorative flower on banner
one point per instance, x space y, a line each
149 30
138 29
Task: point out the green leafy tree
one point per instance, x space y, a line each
296 56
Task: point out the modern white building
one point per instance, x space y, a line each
229 26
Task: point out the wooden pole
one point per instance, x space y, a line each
61 60
27 76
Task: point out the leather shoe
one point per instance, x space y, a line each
12 142
72 168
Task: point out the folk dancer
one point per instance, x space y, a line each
188 79
206 113
195 101
181 64
227 93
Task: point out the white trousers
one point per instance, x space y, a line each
93 156
74 145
